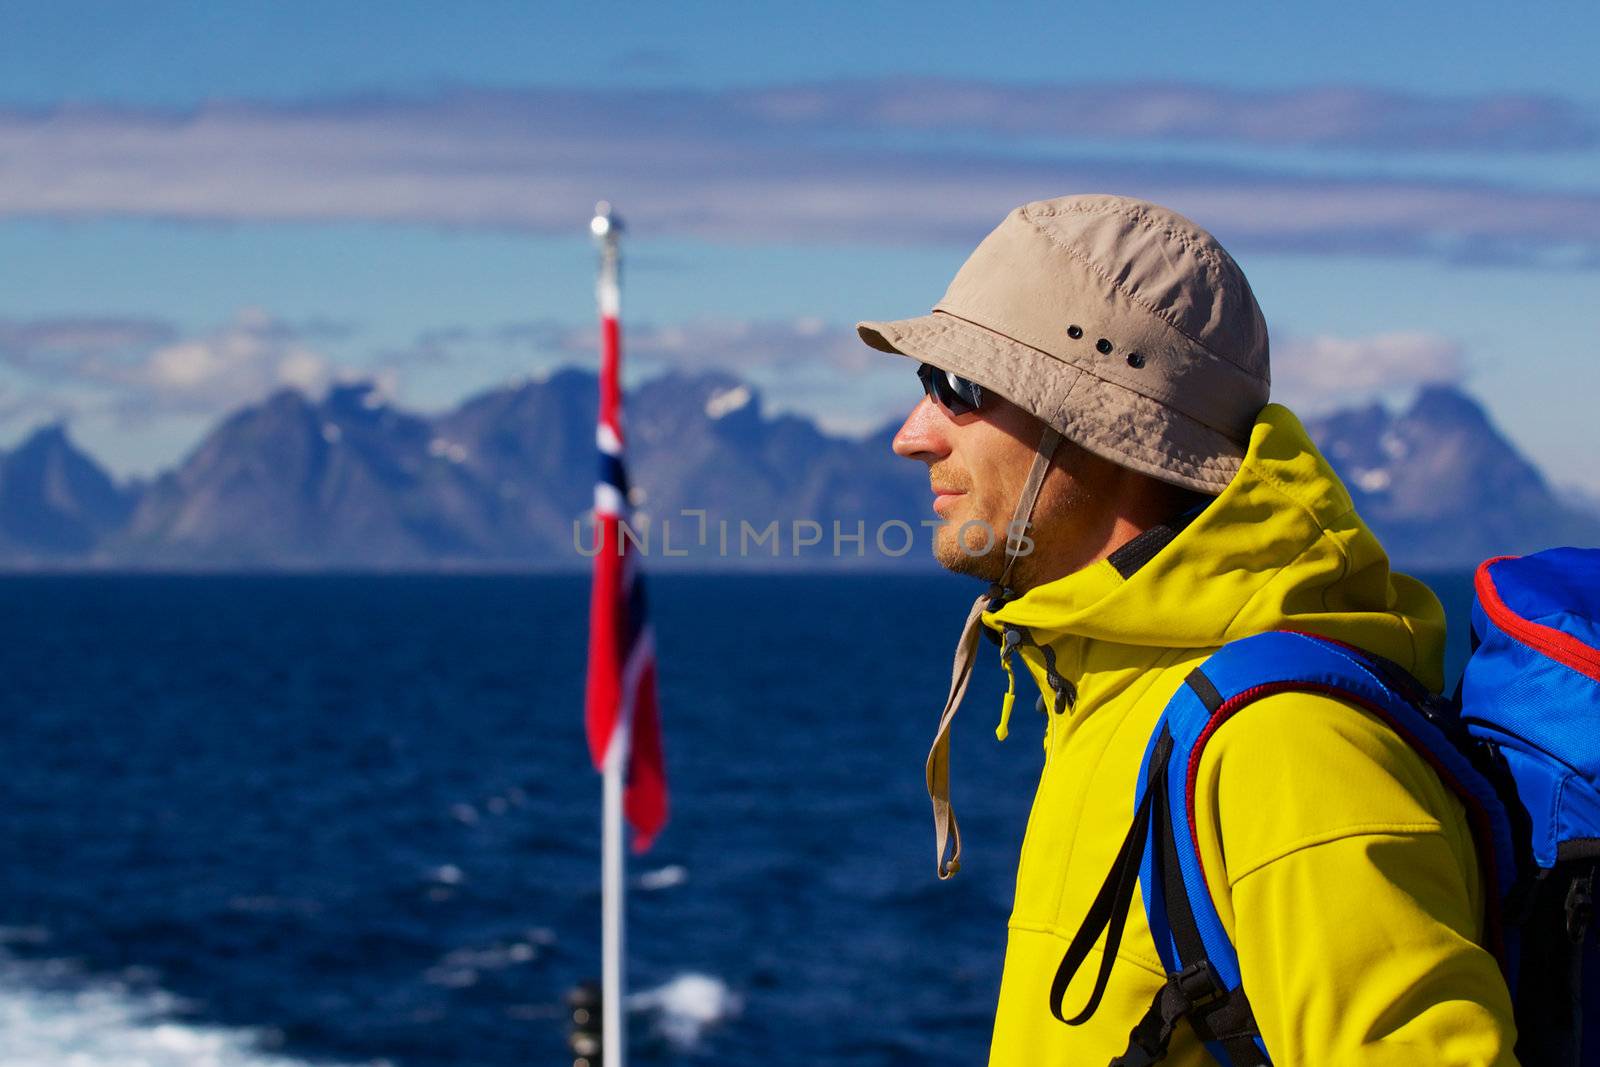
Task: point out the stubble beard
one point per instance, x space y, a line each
963 556
959 543
1056 514
972 543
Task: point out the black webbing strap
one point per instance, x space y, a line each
1216 1013
1183 995
1205 690
1109 912
1195 993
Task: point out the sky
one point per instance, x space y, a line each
201 203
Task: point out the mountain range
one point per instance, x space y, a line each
353 481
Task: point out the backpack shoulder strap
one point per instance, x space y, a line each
1162 855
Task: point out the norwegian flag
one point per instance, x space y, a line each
621 712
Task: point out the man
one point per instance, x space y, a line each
1099 367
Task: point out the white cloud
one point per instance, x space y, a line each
140 391
239 362
1328 117
1327 371
811 163
804 364
46 342
739 346
143 369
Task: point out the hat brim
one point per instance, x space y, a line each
1110 420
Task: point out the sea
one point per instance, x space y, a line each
268 821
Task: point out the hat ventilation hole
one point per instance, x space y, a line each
1104 346
1135 360
1074 332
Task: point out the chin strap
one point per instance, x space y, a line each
947 834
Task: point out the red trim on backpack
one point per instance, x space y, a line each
1476 815
1546 640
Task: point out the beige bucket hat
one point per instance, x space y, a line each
1117 322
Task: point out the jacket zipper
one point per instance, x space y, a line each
1012 638
1546 640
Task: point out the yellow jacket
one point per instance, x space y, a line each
1347 879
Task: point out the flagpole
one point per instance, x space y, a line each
607 230
612 927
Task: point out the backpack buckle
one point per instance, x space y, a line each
1183 996
1197 986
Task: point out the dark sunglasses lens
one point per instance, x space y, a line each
955 394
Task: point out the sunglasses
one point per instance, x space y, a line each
949 390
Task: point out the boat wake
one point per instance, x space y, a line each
49 1013
686 1007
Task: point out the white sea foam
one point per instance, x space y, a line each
460 968
448 874
687 1006
664 877
48 1017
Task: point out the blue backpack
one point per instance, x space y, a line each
1520 747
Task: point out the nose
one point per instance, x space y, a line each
924 435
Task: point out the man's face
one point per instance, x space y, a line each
977 465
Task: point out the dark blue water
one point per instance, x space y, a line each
352 819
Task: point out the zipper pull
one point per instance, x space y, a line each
1066 694
1008 644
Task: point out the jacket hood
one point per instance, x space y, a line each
1280 548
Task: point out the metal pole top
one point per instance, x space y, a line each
606 224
